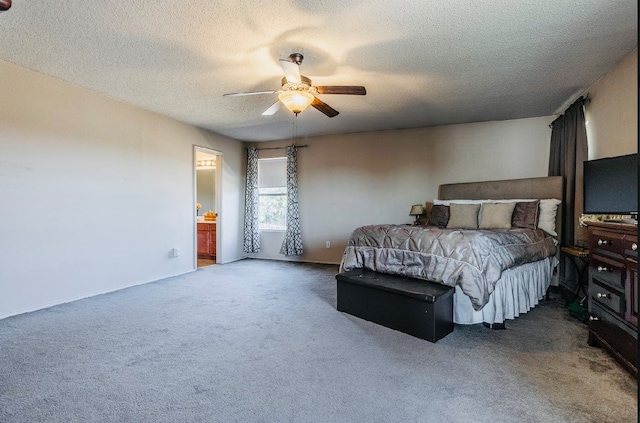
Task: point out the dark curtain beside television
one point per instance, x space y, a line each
567 153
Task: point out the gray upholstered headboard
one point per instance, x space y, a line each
546 187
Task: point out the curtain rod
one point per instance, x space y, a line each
282 148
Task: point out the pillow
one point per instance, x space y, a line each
439 216
460 201
514 200
496 215
463 216
547 209
487 200
547 216
448 202
525 215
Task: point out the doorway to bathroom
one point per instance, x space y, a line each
208 175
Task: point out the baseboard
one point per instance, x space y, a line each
293 260
90 295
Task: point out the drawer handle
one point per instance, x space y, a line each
592 318
604 242
602 269
634 246
599 295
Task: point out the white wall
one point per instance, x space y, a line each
366 178
612 114
95 193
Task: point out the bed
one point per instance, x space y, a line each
499 271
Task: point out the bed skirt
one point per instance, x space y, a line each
517 291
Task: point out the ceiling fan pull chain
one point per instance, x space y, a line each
295 127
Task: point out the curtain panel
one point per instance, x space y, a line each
568 151
251 230
292 244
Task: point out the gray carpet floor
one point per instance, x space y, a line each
261 341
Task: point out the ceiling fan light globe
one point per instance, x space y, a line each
296 101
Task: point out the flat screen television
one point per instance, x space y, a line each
611 185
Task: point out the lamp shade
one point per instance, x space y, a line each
296 101
416 210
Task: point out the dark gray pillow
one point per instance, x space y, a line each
439 215
525 215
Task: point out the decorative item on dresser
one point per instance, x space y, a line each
207 240
613 291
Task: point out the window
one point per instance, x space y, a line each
272 194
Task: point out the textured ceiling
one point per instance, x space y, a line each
423 62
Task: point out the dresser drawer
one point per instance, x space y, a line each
607 271
607 297
630 244
614 327
607 243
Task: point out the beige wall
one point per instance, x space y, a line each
351 180
612 114
95 193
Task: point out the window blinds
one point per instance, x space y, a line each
272 172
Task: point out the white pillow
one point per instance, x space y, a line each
447 202
547 215
514 200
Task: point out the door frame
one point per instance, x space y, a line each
218 201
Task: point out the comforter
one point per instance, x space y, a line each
472 259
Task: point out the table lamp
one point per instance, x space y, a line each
416 210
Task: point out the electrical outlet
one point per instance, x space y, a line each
327 244
176 252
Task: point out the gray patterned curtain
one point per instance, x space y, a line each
292 244
251 231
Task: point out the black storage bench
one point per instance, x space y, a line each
416 307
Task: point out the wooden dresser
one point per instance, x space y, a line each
207 240
613 291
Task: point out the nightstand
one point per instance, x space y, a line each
580 259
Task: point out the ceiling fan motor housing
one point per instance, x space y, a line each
304 85
296 58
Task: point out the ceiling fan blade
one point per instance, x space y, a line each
324 107
342 89
272 109
291 71
248 93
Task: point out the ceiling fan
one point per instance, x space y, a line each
297 93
